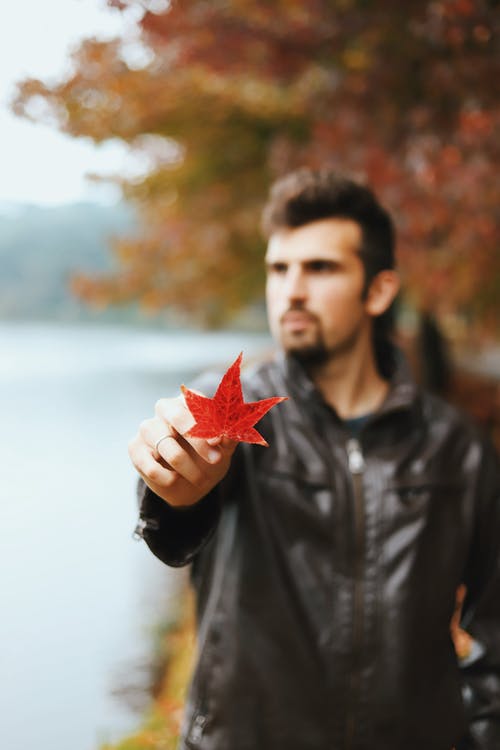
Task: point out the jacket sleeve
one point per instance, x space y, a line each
481 616
176 535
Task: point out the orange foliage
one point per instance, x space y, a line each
400 94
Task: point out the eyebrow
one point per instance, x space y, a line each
305 262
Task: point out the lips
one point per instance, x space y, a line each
297 319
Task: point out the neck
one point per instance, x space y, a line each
350 382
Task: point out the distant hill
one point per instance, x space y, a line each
41 247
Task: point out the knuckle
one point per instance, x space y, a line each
141 466
199 479
139 460
131 448
153 473
163 406
173 411
144 426
175 454
170 479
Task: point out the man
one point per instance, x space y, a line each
326 565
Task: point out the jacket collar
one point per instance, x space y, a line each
403 393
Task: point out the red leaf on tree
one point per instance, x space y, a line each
226 414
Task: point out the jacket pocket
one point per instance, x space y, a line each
415 489
418 512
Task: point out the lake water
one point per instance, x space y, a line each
79 597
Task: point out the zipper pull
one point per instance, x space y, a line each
196 732
355 456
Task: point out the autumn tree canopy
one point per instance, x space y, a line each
224 97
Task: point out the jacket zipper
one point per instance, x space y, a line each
197 728
356 465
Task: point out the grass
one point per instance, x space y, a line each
159 729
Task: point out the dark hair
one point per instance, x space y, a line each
307 195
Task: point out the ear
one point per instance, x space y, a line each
381 292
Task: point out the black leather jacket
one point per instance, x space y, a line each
326 569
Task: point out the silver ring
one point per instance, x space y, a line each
163 437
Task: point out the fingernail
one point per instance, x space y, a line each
213 456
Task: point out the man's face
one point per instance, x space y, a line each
314 290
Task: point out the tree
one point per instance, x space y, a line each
226 96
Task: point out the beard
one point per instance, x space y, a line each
309 355
312 351
309 348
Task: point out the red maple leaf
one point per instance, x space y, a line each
226 414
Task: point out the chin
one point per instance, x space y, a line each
308 354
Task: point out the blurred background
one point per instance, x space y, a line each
139 139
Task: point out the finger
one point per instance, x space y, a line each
215 440
157 453
181 457
153 430
151 471
174 412
228 446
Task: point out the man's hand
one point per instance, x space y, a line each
179 469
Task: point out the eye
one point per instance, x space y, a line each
321 266
277 268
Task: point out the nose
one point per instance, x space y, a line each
295 285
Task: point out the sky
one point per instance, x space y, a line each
37 163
